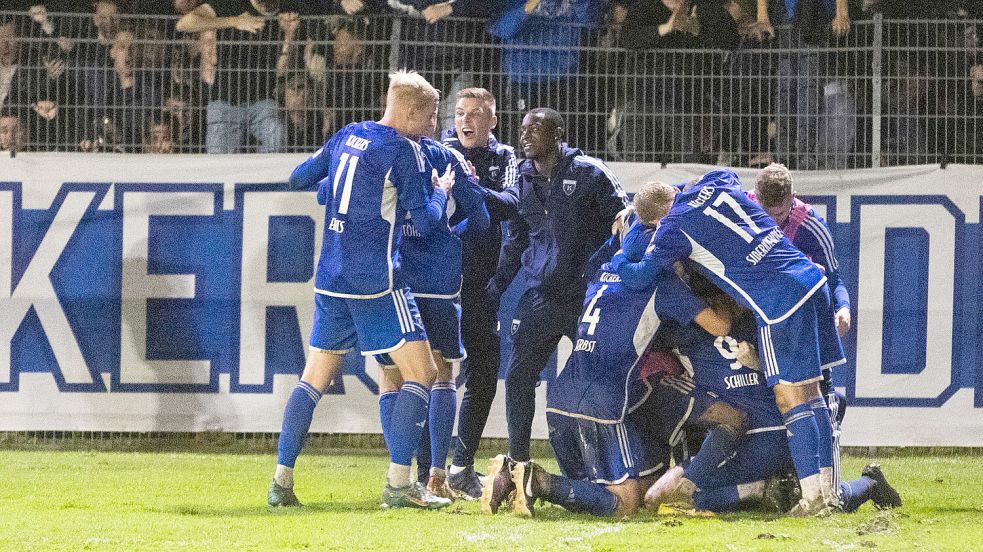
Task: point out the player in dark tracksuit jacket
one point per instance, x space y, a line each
567 203
497 169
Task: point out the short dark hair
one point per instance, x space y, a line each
478 94
549 114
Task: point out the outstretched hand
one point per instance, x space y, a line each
445 181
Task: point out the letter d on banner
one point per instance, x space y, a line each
936 376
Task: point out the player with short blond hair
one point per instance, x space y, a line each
369 176
774 189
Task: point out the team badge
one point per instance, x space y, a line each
493 172
569 186
515 326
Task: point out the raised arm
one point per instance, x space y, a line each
670 245
308 174
505 204
203 18
470 197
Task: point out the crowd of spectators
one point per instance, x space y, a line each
639 80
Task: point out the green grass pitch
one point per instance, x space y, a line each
186 501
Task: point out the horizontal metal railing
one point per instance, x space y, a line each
889 93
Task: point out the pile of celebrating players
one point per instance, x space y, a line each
705 322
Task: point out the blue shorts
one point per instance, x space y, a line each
672 403
442 320
761 454
374 326
789 350
830 346
608 454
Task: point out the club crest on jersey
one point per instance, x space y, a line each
515 326
493 172
569 186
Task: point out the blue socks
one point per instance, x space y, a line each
409 415
296 422
386 402
825 427
720 499
854 493
443 408
582 496
803 443
719 445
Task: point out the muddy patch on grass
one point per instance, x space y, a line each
883 523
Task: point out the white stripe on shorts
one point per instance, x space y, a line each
624 445
401 312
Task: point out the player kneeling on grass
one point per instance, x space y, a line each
607 448
431 267
733 242
368 176
746 455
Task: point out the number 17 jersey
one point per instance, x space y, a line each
736 245
368 176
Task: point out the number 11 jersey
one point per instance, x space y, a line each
368 176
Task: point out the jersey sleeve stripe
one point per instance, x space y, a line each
604 169
511 168
420 161
460 158
823 237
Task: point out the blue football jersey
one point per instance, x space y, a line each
367 176
735 244
712 362
600 379
431 265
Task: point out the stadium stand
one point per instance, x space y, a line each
637 80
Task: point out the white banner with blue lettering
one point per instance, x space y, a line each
174 293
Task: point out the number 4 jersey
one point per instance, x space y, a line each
600 380
734 243
367 176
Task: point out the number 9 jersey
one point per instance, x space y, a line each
367 176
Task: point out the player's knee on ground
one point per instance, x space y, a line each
629 495
725 415
321 367
788 396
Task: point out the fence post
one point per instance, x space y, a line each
394 42
876 83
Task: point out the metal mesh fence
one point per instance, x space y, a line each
890 93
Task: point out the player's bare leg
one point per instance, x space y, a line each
630 495
320 369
